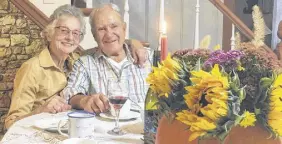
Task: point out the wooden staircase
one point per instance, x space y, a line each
236 21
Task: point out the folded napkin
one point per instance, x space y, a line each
136 128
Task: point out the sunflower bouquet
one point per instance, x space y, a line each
211 91
201 94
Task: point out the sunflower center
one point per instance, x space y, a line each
203 103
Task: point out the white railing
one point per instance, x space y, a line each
233 37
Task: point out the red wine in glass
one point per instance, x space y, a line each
117 101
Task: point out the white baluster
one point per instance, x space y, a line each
233 37
126 18
196 38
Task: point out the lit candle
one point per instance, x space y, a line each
164 47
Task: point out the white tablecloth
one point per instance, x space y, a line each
24 132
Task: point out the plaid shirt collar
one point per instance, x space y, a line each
99 54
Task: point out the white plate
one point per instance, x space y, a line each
130 115
51 124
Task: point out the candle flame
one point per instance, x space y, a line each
164 27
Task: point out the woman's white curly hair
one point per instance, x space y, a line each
64 10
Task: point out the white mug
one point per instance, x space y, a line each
80 124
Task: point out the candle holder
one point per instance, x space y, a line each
156 57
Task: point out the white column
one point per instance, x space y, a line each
89 3
126 18
88 41
196 38
277 17
233 37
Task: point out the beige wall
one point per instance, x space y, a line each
180 18
48 6
144 16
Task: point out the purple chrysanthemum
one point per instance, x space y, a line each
222 58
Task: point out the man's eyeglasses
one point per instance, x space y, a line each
66 31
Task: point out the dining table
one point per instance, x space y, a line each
34 130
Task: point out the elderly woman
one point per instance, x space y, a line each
39 81
88 81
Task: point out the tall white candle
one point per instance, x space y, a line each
196 38
161 16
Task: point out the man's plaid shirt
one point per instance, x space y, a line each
91 72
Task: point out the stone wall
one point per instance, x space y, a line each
19 41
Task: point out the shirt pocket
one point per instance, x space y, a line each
49 87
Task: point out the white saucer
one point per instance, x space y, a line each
51 124
130 115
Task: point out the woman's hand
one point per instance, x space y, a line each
54 105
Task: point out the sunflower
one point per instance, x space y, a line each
198 125
171 64
248 120
275 104
207 101
164 76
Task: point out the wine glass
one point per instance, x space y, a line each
117 91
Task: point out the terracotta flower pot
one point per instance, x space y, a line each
175 132
250 135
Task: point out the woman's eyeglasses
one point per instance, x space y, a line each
66 31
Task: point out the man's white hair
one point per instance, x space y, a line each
91 16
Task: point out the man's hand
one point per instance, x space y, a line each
54 105
95 103
139 53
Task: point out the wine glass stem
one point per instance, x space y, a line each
117 118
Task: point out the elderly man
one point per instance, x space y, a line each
88 81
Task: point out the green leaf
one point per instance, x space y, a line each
265 82
263 96
242 94
235 79
257 111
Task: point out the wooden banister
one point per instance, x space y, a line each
86 11
32 12
236 21
36 15
227 12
